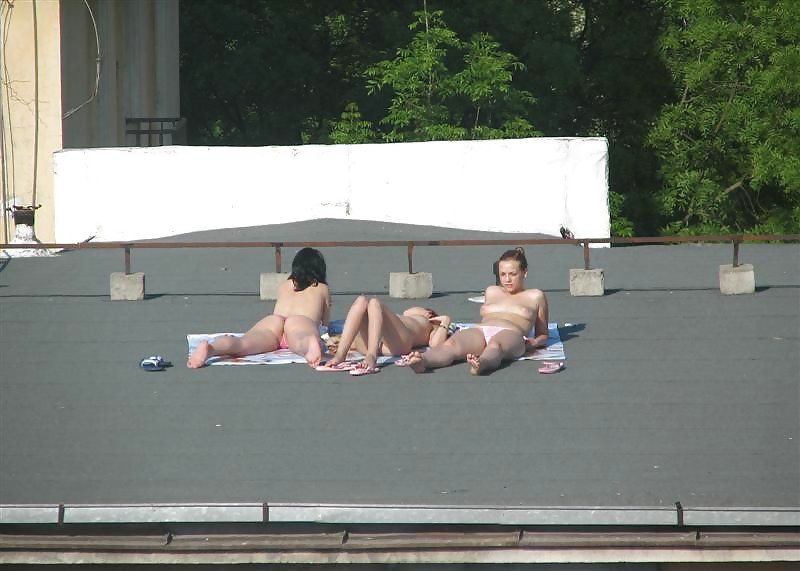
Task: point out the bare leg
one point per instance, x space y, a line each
461 344
374 332
302 336
354 324
385 324
264 336
504 346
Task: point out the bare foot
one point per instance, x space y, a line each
416 362
313 355
474 363
198 357
371 361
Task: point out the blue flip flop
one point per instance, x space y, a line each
154 363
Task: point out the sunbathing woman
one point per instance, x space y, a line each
303 303
373 329
509 313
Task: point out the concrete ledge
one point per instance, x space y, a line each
127 287
269 284
586 282
736 280
403 285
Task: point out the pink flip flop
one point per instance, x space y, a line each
550 367
338 368
364 370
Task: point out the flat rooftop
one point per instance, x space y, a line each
672 392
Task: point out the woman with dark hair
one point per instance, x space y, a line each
303 303
507 316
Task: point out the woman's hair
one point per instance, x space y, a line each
308 268
517 255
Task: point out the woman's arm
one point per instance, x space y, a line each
440 331
541 322
420 311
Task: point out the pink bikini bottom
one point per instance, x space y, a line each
284 344
490 331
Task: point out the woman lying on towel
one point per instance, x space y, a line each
302 304
373 329
508 314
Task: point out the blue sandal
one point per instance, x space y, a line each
154 363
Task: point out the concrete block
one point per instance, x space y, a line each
270 282
586 282
127 287
418 285
736 280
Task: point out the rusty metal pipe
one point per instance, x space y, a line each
586 262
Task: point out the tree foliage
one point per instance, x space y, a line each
698 98
623 86
430 101
729 146
274 72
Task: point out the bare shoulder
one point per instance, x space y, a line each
323 288
534 297
493 292
534 293
286 287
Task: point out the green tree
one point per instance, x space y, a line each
429 101
594 68
624 85
730 145
260 72
486 82
352 128
420 81
281 72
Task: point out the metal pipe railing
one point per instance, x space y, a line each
736 240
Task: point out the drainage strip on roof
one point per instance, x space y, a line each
398 514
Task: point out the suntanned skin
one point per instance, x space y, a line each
372 328
297 315
508 305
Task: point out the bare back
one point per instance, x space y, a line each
313 302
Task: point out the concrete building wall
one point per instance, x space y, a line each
54 98
30 67
139 71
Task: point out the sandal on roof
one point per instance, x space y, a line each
154 363
405 360
364 369
338 367
550 367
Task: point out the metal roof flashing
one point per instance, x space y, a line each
393 514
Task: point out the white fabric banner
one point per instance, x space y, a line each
521 185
